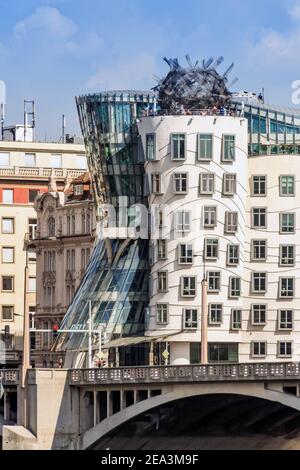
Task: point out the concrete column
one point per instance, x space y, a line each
109 404
121 399
95 407
151 356
135 396
117 357
204 319
6 406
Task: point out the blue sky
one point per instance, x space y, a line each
51 50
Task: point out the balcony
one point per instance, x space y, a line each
194 112
40 173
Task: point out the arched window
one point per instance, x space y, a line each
51 227
83 223
68 225
88 223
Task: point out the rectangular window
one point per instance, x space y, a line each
162 280
205 143
31 255
32 227
7 283
285 319
183 221
150 147
81 162
32 195
233 254
162 249
259 348
287 185
259 217
259 250
207 183
211 248
68 260
284 348
287 222
8 254
78 189
185 253
231 222
180 183
155 183
223 352
214 281
190 316
229 184
258 314
56 161
7 196
188 286
234 287
287 255
259 185
5 159
259 283
210 216
7 313
30 159
215 314
286 287
228 148
236 319
8 225
32 284
162 314
178 146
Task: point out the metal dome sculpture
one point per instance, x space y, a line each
194 87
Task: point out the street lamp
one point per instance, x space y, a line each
204 313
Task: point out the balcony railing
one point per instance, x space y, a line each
9 376
193 112
189 373
30 172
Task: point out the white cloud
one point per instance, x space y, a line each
294 11
88 44
47 20
276 47
125 74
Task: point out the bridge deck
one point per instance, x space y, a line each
186 373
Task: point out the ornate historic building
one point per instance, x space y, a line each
26 169
64 243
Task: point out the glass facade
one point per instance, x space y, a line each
116 280
271 129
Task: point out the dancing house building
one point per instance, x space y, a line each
213 273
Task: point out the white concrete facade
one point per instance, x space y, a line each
244 325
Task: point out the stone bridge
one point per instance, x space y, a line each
75 409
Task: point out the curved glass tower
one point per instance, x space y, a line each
116 280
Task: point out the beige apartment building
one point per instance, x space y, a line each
26 169
64 242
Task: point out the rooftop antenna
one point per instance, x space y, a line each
2 118
2 106
63 135
29 117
